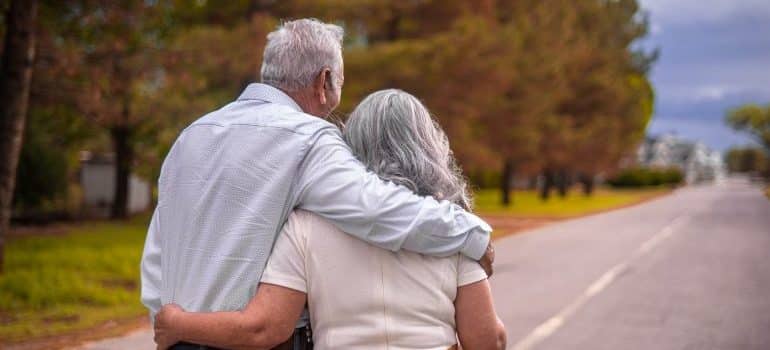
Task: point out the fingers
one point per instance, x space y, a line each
487 261
491 252
487 266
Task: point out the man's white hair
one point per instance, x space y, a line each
298 50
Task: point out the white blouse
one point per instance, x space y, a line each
364 297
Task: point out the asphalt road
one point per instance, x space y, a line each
686 271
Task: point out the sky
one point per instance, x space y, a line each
714 55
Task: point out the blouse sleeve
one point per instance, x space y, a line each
469 271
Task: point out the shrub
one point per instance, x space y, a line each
42 172
644 177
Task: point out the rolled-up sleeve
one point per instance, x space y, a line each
335 185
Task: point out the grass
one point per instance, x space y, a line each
63 283
528 203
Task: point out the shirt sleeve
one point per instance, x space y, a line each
469 271
286 265
151 267
335 185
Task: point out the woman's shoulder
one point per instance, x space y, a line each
305 221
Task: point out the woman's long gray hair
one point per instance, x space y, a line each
393 134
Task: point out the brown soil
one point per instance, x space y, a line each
504 225
108 329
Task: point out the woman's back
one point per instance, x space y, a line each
361 296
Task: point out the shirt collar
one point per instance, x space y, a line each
269 94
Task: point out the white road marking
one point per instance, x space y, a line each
604 281
550 326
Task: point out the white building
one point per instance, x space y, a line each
97 179
697 162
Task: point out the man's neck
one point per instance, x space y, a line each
303 99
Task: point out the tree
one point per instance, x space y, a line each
754 120
524 127
15 76
214 51
527 86
748 160
117 46
433 65
608 103
572 105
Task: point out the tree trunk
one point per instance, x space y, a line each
506 180
548 182
588 184
15 78
124 157
562 183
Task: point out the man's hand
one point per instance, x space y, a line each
488 260
165 335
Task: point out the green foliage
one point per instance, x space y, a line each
48 158
746 160
54 284
646 177
754 120
41 175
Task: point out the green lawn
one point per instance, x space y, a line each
528 204
62 283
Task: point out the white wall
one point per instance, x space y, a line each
98 180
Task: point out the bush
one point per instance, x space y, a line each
747 160
644 177
42 172
52 137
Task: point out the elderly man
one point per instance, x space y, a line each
233 176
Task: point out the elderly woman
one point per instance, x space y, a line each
361 296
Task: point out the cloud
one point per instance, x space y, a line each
655 29
713 92
688 11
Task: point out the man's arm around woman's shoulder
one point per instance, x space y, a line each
335 185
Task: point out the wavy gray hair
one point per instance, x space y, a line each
298 50
393 134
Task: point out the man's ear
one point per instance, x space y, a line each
322 80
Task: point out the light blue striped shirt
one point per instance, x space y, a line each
233 176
